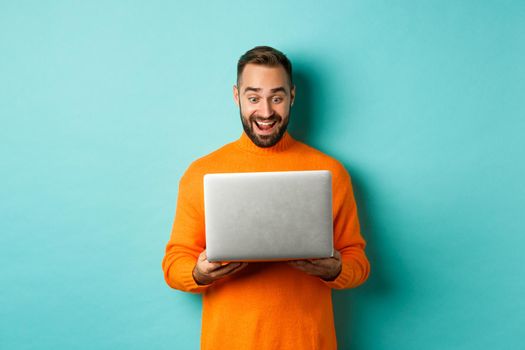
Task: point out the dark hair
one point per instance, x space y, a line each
266 56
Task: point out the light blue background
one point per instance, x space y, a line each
104 104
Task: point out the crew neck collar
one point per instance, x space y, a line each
245 143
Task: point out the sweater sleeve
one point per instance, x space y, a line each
347 235
187 239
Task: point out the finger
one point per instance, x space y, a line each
202 256
212 267
220 272
297 265
337 255
243 264
309 268
237 269
326 262
223 264
302 265
322 262
314 261
208 266
234 270
300 262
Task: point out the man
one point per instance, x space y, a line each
272 305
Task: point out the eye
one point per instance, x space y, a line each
277 99
253 99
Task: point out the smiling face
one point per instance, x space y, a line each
264 97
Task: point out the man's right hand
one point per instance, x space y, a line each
206 272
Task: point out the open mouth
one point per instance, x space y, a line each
265 127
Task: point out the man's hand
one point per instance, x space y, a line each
328 268
206 272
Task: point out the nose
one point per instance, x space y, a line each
266 110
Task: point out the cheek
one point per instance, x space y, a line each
283 111
248 109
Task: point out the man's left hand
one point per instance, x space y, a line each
328 268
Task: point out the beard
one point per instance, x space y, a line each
265 141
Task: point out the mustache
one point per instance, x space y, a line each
273 118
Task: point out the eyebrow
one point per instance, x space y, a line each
277 89
249 88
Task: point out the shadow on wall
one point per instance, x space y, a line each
301 113
350 306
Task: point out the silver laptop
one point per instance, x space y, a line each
268 215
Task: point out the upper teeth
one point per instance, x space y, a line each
265 123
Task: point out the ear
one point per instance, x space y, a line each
236 94
292 95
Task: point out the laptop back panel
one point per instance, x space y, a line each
268 215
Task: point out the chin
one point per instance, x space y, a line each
266 141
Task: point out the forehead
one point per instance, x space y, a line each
264 77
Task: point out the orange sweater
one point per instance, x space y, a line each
268 305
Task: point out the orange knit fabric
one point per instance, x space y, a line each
268 305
